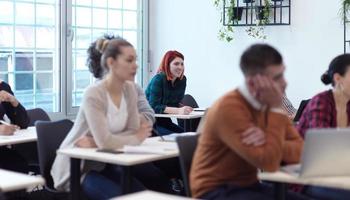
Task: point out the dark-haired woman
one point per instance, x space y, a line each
108 119
330 108
327 109
166 90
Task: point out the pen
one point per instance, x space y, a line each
6 123
9 124
154 131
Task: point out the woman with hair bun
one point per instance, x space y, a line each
330 108
108 118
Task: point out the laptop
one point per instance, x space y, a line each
326 153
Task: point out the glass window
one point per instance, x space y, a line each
30 51
93 20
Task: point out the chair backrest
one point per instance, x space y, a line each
37 114
300 110
187 145
50 137
188 100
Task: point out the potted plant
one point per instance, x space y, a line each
237 13
262 18
234 14
226 32
344 10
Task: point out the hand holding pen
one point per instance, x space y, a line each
7 128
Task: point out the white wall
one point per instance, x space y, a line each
314 37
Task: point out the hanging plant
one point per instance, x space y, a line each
344 10
262 18
233 15
226 33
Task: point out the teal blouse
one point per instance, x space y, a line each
161 93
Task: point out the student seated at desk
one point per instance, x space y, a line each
166 90
246 130
108 119
330 108
11 107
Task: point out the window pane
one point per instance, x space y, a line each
99 18
24 13
24 61
83 2
45 101
44 61
5 60
115 19
130 4
24 81
83 37
24 36
6 39
6 14
44 82
45 14
4 77
97 33
83 16
129 20
131 36
45 37
99 3
81 60
115 3
26 98
82 80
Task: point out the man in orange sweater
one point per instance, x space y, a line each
246 130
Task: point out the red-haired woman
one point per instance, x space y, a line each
166 90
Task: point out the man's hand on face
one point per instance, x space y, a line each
266 91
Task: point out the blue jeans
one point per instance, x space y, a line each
327 193
107 183
258 191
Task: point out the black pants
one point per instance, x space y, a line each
165 126
12 160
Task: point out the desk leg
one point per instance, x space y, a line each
185 125
280 190
126 179
75 178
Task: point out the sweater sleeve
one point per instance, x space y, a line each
235 118
143 105
18 115
95 109
293 146
156 94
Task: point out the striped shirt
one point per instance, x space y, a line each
288 107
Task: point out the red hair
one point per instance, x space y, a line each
165 64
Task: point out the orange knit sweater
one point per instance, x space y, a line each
221 157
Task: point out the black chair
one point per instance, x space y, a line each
29 150
188 100
187 145
50 137
300 110
37 114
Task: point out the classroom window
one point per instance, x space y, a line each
43 46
